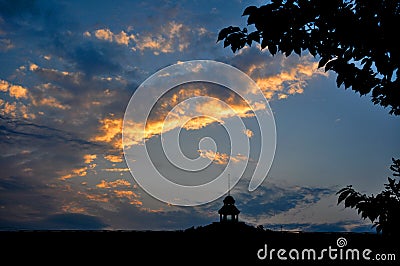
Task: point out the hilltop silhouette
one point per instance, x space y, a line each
228 241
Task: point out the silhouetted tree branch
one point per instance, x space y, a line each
383 209
357 39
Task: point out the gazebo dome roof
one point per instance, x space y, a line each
229 200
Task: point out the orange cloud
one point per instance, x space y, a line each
89 158
10 109
165 40
121 38
104 34
248 133
20 93
113 158
51 102
131 196
184 115
221 158
4 86
116 169
33 67
125 193
74 173
110 131
25 113
216 157
98 197
16 91
292 79
113 184
72 208
15 109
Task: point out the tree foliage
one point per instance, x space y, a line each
357 39
383 209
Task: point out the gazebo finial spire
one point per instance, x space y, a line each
229 184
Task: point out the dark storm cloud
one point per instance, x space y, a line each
66 221
344 226
275 200
16 131
37 20
93 60
72 221
12 183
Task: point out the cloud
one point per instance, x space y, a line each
165 39
50 102
70 221
6 45
20 107
116 169
19 130
168 38
112 192
94 60
88 158
248 133
216 157
221 158
114 158
16 91
104 34
128 195
173 111
345 226
113 184
110 132
74 173
277 76
121 38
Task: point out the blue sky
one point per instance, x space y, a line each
68 70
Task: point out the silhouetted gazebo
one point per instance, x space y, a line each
229 212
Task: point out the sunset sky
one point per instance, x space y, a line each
68 70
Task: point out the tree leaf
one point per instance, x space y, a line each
249 10
272 49
323 61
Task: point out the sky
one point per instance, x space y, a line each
68 70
